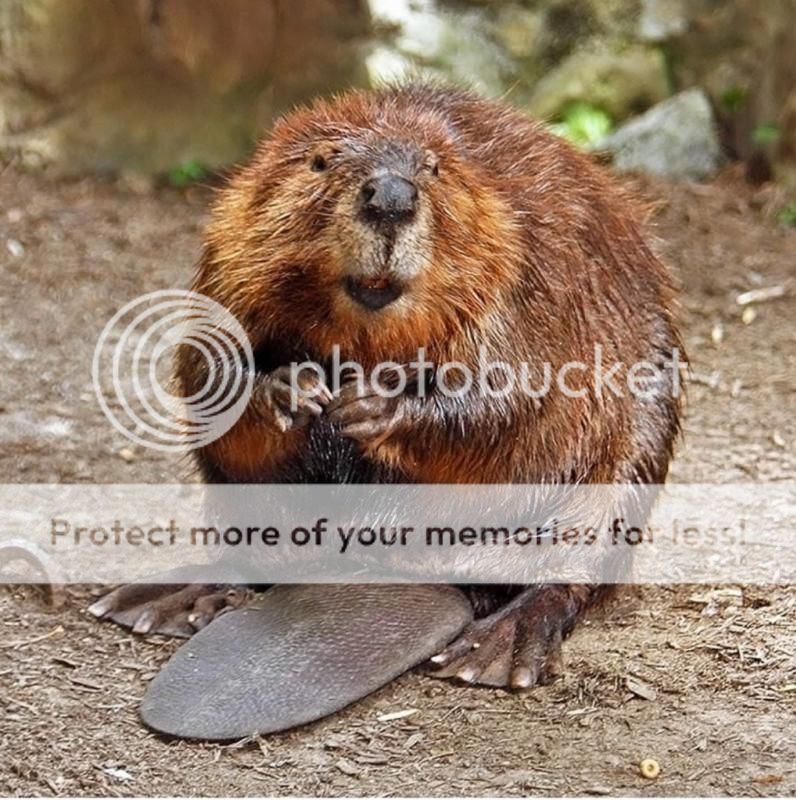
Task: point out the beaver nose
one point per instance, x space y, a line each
388 198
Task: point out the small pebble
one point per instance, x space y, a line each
126 454
649 769
16 248
14 215
749 315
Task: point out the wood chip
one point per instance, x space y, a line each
414 739
776 438
731 596
641 689
65 662
86 683
760 295
393 715
347 768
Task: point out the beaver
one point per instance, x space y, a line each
380 222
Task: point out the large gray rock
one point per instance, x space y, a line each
676 139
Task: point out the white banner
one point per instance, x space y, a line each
111 534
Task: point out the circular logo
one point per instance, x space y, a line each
132 370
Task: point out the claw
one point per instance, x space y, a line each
522 678
145 622
101 608
467 674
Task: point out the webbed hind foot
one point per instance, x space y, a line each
179 604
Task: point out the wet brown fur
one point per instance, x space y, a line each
533 252
538 254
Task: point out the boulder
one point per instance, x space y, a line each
676 139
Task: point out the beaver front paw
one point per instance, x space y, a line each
173 608
294 398
366 411
519 646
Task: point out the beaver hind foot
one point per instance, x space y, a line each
302 653
177 603
519 645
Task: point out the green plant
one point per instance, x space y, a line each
583 124
767 134
733 99
187 173
788 215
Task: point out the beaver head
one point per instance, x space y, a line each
363 221
375 191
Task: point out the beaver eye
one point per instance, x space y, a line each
431 163
318 163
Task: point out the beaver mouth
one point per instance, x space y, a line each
372 293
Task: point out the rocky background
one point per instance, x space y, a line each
180 87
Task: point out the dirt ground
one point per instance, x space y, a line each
716 706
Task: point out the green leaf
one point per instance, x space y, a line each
187 173
583 124
733 98
767 134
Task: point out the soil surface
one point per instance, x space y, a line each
704 684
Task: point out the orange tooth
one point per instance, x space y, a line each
375 283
